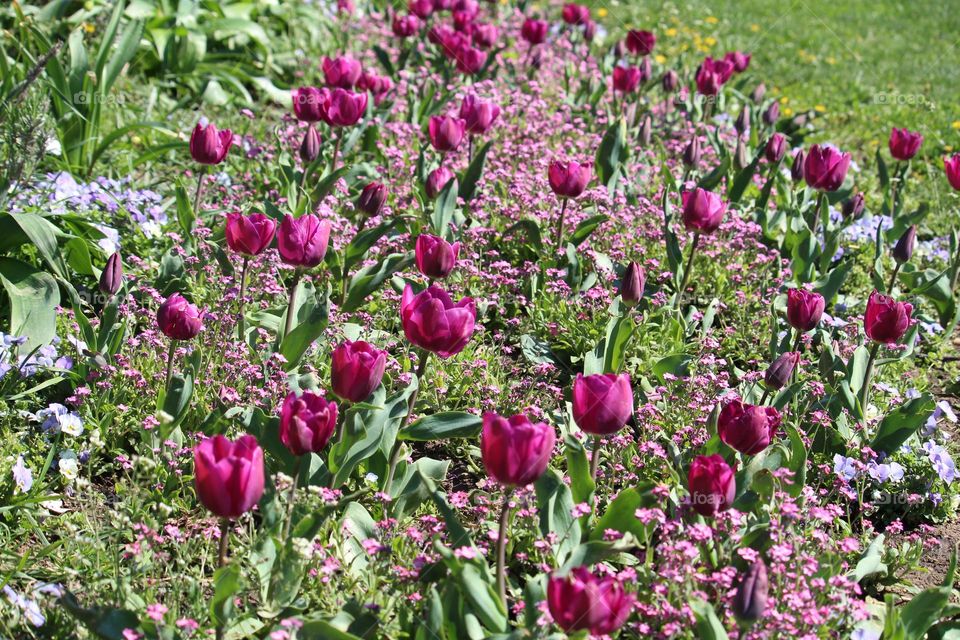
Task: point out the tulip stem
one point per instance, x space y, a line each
763 398
502 546
199 193
241 320
292 497
291 307
170 353
559 238
395 454
893 279
336 153
595 456
688 268
816 214
225 525
868 380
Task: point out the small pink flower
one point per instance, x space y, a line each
156 612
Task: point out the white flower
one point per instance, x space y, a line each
69 466
22 476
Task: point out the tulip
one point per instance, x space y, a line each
796 169
582 601
646 132
776 148
478 116
825 168
691 153
435 256
437 180
310 146
302 242
485 35
640 43
372 198
307 422
747 428
534 31
757 95
740 157
446 133
702 210
405 26
341 72
904 144
111 278
575 14
344 108
903 251
742 123
568 180
631 284
780 371
379 86
708 81
228 476
249 235
712 485
178 319
463 21
356 370
739 60
804 309
420 8
952 168
589 30
886 320
309 103
750 599
670 81
772 114
345 7
853 206
470 61
209 146
602 403
433 322
515 451
626 79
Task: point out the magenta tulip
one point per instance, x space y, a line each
405 26
780 371
435 256
739 60
470 60
420 8
432 321
825 168
357 369
228 476
341 72
179 319
886 320
111 278
309 103
249 235
804 309
626 79
209 146
951 167
569 179
602 403
446 133
372 198
478 115
302 242
712 485
344 108
748 428
515 451
702 210
575 14
582 601
640 43
437 180
485 35
534 31
776 148
307 422
632 284
904 144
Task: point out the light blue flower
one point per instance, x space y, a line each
844 467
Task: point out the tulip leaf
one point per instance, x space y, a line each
537 351
871 561
743 179
829 284
708 624
409 490
226 584
611 153
367 280
443 209
33 298
323 630
585 228
296 343
176 402
712 179
620 514
582 484
440 426
471 176
358 525
186 217
362 242
555 506
901 423
619 331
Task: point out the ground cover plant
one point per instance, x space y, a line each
465 320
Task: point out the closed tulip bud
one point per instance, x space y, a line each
405 26
670 81
228 476
307 422
372 198
463 21
582 601
534 31
742 123
702 210
758 93
825 168
750 599
646 70
309 103
780 370
589 30
485 35
249 235
776 148
853 206
569 179
341 72
646 131
747 428
772 114
478 116
739 60
435 256
712 485
951 167
356 369
302 242
310 147
903 251
345 7
209 146
708 81
804 309
904 144
420 8
446 133
437 180
631 284
796 169
626 79
886 320
515 451
432 321
470 60
111 278
575 14
602 403
740 157
640 43
691 153
344 108
178 319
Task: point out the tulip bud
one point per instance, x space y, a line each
341 72
903 251
640 43
951 167
631 284
796 169
111 278
209 146
356 369
772 114
478 115
344 108
178 319
307 422
309 103
747 428
435 256
437 180
825 168
670 81
758 92
691 153
740 157
750 600
804 309
569 179
534 31
712 485
310 146
602 403
853 206
249 235
582 601
646 131
886 320
904 144
446 133
228 476
780 370
372 198
776 148
742 123
703 210
302 242
432 321
515 451
589 30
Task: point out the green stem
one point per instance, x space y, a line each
291 306
868 380
763 398
170 353
199 193
241 320
893 279
225 525
502 546
336 153
821 197
559 235
689 267
595 456
395 454
292 497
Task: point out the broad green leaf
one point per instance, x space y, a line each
33 296
901 423
440 426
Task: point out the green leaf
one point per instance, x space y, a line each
471 176
743 179
712 179
708 624
901 423
444 208
186 217
296 343
226 584
485 602
585 228
176 402
440 426
555 506
620 514
34 297
582 484
126 48
368 279
536 350
323 630
611 153
923 611
362 242
871 561
619 330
